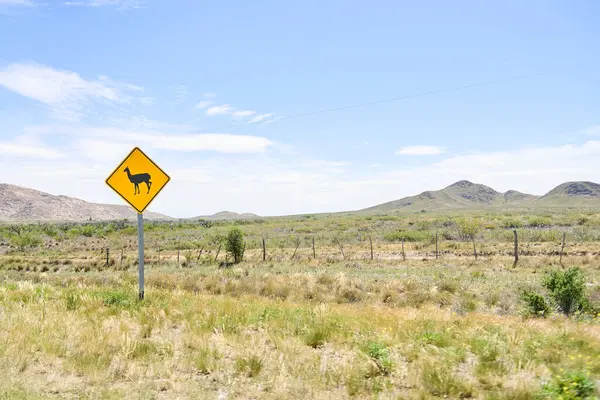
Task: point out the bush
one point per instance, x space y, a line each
381 356
468 228
234 244
409 236
25 240
569 386
536 304
567 289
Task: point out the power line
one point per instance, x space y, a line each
388 100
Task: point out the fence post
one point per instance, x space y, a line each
403 253
107 256
436 245
516 248
121 262
264 250
218 251
341 248
314 251
295 250
371 244
562 249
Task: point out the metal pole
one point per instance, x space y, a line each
141 255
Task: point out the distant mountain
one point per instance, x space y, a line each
228 215
23 204
573 194
460 195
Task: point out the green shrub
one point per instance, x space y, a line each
468 228
569 386
409 236
25 240
536 303
381 356
538 222
234 244
567 289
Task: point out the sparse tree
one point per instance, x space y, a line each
234 244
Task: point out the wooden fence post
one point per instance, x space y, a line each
371 244
264 250
341 248
217 255
295 250
516 248
314 251
562 249
107 256
403 253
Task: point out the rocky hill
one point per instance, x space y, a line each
23 204
573 194
460 195
229 215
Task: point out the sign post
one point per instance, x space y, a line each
136 169
140 220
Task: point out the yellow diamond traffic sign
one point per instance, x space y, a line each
138 180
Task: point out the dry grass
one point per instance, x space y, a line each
271 331
335 328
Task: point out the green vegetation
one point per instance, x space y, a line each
305 323
234 244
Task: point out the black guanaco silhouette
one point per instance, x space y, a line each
137 179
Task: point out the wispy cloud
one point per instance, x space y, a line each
421 150
260 118
124 4
223 109
593 131
203 104
24 3
66 93
156 139
30 147
148 101
228 110
180 91
242 114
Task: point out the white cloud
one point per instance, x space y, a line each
66 93
421 150
14 149
242 114
24 3
102 3
224 109
147 101
270 184
109 137
260 118
593 131
204 104
30 147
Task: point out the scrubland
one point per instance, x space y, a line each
285 324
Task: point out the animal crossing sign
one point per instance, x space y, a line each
138 180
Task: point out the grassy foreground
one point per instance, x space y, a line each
397 330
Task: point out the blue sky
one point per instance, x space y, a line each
215 92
